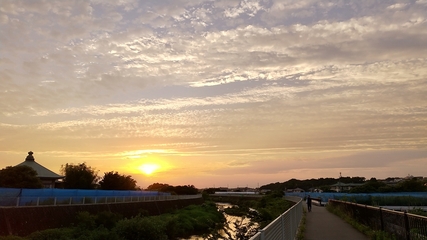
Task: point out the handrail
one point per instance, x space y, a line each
400 224
285 226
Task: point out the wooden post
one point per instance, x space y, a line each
407 229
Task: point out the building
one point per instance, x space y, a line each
295 190
47 177
340 187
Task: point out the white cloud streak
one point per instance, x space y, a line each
245 75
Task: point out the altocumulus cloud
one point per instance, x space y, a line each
262 83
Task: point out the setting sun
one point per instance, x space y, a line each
148 168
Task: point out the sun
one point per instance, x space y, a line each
148 168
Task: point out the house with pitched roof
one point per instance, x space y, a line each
47 177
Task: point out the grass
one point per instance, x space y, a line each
301 228
372 234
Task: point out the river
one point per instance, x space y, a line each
235 228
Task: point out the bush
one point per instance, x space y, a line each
100 233
194 220
11 238
107 219
52 234
85 220
146 228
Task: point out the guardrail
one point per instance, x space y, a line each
72 200
285 226
402 225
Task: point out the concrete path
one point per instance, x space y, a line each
323 225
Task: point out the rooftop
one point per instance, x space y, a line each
42 172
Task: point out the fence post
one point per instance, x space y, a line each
54 201
262 234
381 219
407 229
17 201
282 221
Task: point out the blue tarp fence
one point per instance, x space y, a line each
9 196
359 196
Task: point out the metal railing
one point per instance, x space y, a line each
73 200
402 225
285 226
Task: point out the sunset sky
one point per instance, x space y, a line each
216 93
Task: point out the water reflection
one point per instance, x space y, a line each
235 228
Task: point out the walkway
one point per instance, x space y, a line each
323 225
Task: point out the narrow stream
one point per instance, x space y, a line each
236 228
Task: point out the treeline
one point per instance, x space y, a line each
82 176
179 190
408 185
368 186
320 183
76 176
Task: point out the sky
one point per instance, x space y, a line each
220 93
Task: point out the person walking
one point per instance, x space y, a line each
309 203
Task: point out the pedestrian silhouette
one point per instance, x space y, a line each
309 203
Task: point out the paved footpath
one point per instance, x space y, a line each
323 225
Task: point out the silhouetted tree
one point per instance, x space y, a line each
19 177
411 185
211 190
157 187
115 181
371 186
183 190
79 176
311 183
180 190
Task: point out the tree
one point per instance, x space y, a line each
19 177
411 185
79 176
371 186
180 190
157 186
115 181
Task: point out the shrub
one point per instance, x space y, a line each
11 238
52 234
146 228
85 220
107 219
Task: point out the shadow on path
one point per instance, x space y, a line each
323 225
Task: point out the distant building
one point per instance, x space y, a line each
47 177
315 190
392 181
339 187
295 190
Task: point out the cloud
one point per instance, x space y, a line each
216 76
